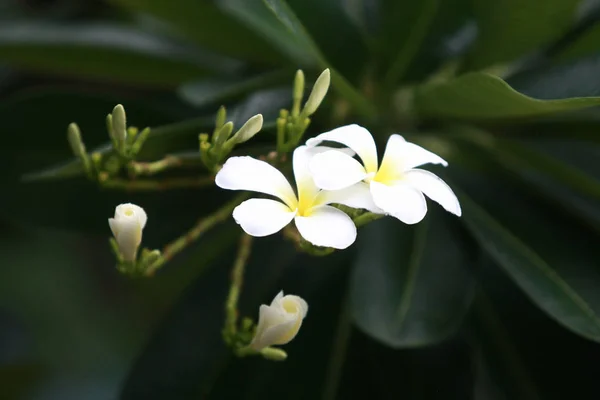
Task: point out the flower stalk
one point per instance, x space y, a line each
237 280
201 227
142 185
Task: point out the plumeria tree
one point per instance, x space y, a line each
395 198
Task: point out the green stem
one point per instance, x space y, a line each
155 185
365 218
152 168
237 280
203 225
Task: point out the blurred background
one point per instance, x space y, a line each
503 304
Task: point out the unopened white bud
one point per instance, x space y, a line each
279 322
127 226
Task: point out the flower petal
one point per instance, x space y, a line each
328 227
334 170
247 173
355 196
401 201
357 138
129 210
268 316
298 302
278 334
262 217
434 188
401 156
128 234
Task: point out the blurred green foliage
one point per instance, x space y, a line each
503 303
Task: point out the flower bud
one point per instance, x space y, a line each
318 93
119 125
279 322
247 131
127 226
74 136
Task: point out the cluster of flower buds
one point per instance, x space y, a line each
292 125
126 144
215 149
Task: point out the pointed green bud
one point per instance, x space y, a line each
318 93
273 354
150 259
141 139
298 92
222 135
111 132
119 125
221 117
74 136
247 131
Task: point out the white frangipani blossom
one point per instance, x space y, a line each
279 322
317 222
396 186
127 226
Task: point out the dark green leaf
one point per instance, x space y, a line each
346 49
204 23
108 52
480 96
499 368
411 285
585 45
542 252
421 16
211 91
509 29
577 79
290 38
549 177
296 36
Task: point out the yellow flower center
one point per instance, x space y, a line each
389 172
129 212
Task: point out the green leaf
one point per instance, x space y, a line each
480 96
585 45
211 91
553 262
424 14
500 371
288 19
206 24
549 177
577 79
509 29
411 285
295 43
107 52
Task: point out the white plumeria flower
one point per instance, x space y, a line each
317 222
127 226
279 322
396 187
